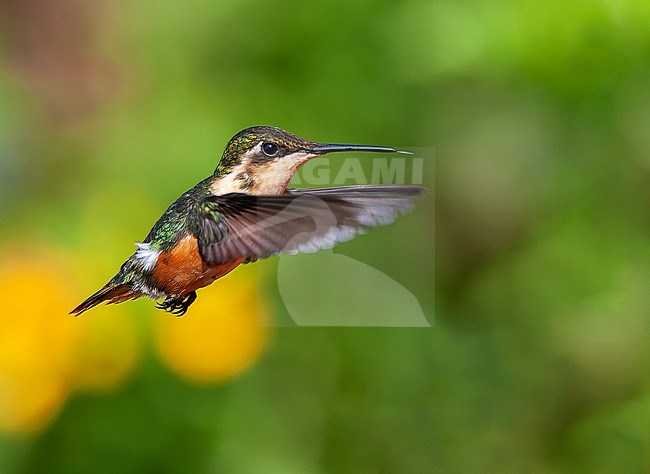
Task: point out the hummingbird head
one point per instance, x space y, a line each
260 145
264 158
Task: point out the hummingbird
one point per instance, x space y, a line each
245 212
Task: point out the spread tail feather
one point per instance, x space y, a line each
111 293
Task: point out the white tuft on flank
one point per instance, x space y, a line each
145 256
149 291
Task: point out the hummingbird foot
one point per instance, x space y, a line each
177 305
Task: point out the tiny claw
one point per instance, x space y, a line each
177 305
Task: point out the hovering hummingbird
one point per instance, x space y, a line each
244 212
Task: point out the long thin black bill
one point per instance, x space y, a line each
331 148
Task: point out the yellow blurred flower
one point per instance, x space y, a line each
222 334
108 352
46 353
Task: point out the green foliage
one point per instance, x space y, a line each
540 116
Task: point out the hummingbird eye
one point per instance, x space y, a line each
270 148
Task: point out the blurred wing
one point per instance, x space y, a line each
236 226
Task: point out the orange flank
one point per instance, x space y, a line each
182 270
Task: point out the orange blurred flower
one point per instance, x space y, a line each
223 333
44 352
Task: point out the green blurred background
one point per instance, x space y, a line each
538 361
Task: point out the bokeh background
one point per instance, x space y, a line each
538 361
